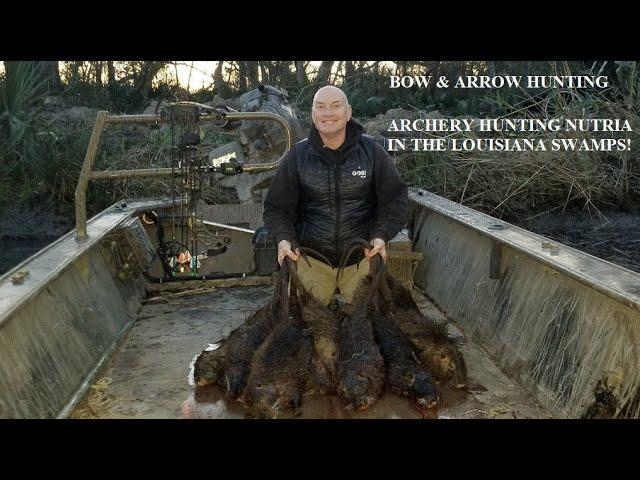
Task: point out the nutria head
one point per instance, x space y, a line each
423 390
208 369
235 385
441 354
269 400
445 362
358 390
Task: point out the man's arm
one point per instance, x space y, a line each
281 202
392 193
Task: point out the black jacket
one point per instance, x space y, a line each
326 198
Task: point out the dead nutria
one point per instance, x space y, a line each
244 341
400 295
210 367
361 371
228 365
279 371
324 329
242 344
405 375
438 352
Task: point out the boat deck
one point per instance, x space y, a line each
148 374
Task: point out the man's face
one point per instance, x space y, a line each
330 111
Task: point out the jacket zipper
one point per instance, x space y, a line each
336 176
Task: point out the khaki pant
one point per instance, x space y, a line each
320 279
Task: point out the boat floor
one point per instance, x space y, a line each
148 374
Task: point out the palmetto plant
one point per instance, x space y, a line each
26 143
20 92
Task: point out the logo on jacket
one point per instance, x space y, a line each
359 173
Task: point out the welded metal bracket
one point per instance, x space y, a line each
495 261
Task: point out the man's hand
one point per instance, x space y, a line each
379 247
284 250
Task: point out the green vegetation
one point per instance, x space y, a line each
523 185
46 118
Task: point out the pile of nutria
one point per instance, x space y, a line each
295 347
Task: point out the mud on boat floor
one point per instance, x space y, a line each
147 376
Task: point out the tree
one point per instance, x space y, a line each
242 76
220 86
252 74
301 75
97 67
324 72
148 71
349 72
111 74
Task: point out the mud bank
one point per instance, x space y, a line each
26 229
615 238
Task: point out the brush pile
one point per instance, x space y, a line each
294 347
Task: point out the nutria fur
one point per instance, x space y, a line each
361 367
243 342
210 366
438 352
400 296
294 345
325 346
324 328
405 375
279 372
361 370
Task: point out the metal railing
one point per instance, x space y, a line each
103 119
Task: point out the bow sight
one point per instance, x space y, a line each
192 238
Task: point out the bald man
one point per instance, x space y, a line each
331 188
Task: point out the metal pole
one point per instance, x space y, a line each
83 181
253 116
125 119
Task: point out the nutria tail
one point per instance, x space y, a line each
359 243
377 273
314 254
296 283
379 267
280 298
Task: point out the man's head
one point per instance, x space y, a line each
330 111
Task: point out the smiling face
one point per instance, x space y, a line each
331 112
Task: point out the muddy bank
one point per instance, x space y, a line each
15 250
615 238
27 228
